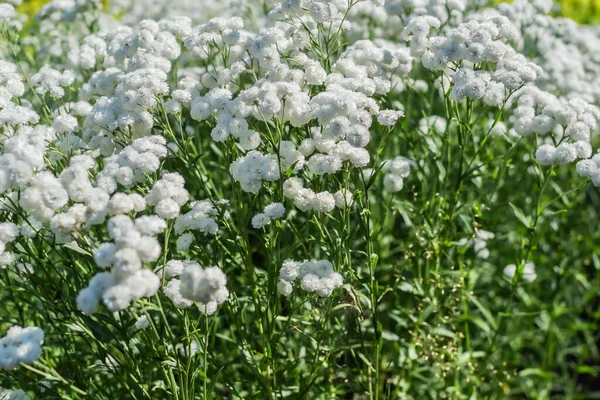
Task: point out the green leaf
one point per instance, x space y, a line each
586 369
406 287
520 215
444 332
481 324
486 313
412 352
75 247
213 382
391 336
536 372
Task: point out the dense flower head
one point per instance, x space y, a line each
161 161
271 212
395 171
20 345
134 243
312 275
8 232
191 284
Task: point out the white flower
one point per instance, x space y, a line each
142 322
65 123
343 198
174 268
173 292
7 12
167 195
323 202
546 154
394 183
167 209
150 225
20 345
254 168
188 350
566 153
200 218
49 80
185 241
389 117
8 232
18 394
260 220
284 287
528 271
204 285
275 210
105 254
314 276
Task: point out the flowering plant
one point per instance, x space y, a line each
298 199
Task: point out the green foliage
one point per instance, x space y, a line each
421 315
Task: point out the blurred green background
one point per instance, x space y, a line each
583 11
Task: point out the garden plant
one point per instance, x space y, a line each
298 199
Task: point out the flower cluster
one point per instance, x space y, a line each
589 168
254 168
271 212
204 286
20 345
130 165
167 195
313 276
395 171
563 48
153 139
134 243
305 199
8 233
23 155
49 80
201 218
